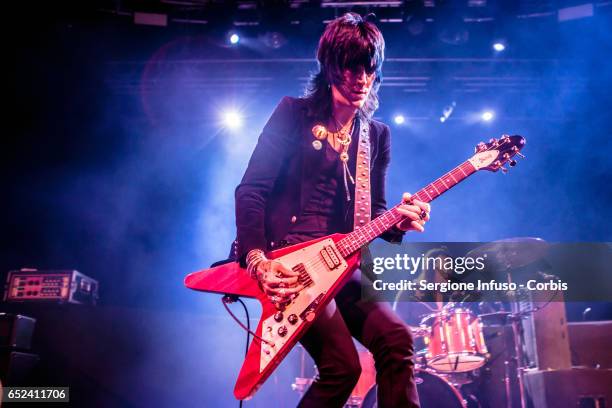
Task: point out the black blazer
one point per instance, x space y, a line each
281 173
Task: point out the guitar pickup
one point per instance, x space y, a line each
304 277
331 257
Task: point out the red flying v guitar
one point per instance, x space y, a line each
324 265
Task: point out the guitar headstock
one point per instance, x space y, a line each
493 155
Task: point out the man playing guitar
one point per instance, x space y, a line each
300 185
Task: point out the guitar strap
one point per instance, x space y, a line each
362 185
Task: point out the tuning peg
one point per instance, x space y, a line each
504 170
520 155
512 163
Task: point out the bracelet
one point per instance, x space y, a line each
253 259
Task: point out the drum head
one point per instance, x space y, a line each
434 392
457 363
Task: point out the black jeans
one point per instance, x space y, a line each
375 325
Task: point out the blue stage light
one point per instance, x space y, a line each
399 119
234 38
232 120
499 46
487 116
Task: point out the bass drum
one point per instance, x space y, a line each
434 392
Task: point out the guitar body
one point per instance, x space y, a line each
323 271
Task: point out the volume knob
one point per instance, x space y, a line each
282 331
278 316
292 318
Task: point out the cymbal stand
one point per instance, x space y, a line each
515 318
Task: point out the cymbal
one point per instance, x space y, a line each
512 252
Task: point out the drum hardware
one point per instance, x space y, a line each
302 382
507 383
515 320
508 255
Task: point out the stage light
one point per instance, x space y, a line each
487 116
274 39
447 111
232 120
499 46
399 119
234 38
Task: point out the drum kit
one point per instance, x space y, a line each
454 361
455 349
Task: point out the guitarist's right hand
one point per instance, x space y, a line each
278 282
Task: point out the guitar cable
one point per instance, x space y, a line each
231 299
227 299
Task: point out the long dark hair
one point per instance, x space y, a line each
348 42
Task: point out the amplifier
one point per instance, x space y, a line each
572 388
546 343
63 286
16 367
590 344
16 330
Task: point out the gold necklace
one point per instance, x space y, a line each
343 136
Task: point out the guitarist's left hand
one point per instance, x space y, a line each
416 214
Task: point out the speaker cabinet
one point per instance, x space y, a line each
572 388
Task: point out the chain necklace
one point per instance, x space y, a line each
342 137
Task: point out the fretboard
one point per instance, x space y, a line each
368 232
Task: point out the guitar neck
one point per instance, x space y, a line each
368 232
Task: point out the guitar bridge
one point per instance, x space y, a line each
304 278
331 257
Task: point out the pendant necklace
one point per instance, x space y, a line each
343 138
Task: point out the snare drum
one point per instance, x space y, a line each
455 342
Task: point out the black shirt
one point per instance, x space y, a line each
320 215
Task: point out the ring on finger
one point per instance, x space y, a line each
423 215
